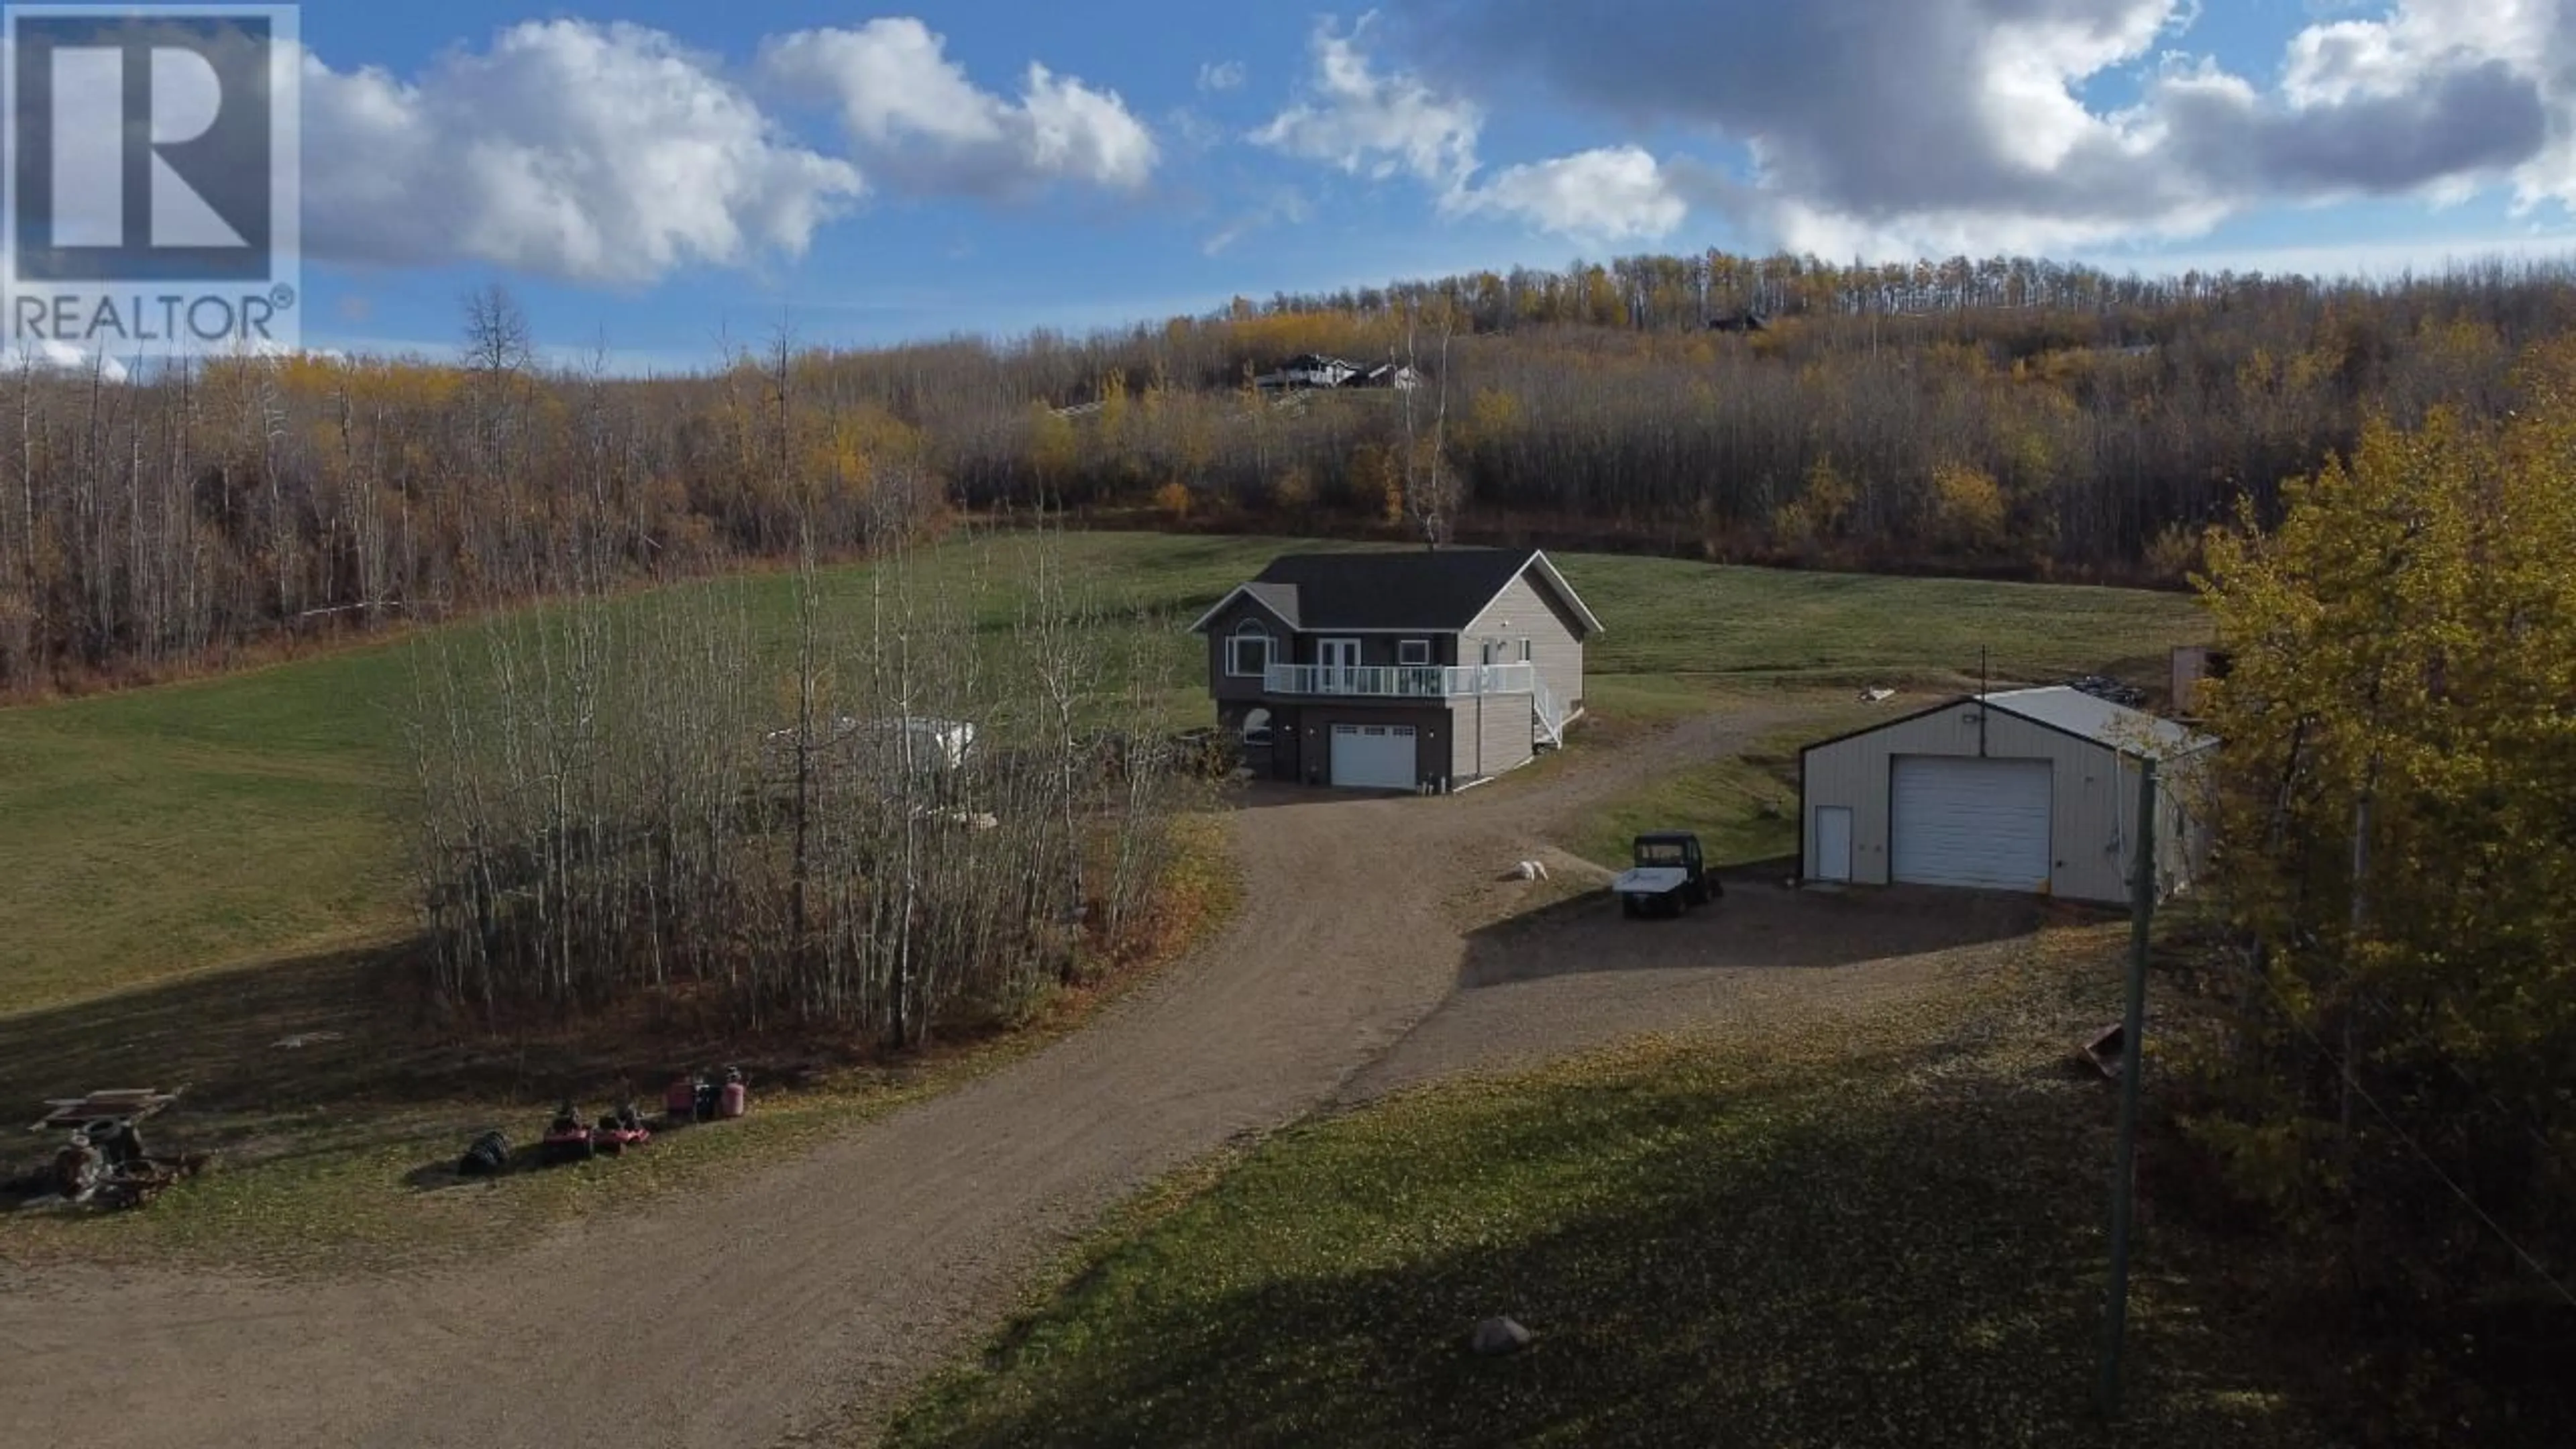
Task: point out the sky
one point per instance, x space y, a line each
662 180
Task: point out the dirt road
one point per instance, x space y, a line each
806 1302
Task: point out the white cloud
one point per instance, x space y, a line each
1381 124
1941 124
1367 123
52 354
2527 42
593 153
2370 259
1191 131
1285 207
1221 75
1613 194
915 118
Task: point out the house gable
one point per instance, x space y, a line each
1280 604
1559 596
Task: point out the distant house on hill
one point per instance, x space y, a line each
1387 374
1314 370
1308 370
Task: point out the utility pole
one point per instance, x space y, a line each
1985 687
2133 1062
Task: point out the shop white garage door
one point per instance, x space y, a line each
1373 757
1967 822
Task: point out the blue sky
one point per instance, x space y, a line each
662 176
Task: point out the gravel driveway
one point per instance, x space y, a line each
806 1302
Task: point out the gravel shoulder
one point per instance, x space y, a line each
802 1304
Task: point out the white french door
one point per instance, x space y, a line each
1340 661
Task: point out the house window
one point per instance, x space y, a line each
1247 654
1413 651
1525 651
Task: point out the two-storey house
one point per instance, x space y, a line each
1431 670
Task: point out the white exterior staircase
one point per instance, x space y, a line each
1547 718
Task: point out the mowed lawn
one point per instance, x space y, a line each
1875 1230
164 831
258 817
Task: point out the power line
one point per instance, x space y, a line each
2348 981
2352 1080
2389 1015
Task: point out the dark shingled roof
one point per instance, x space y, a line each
1281 599
1422 589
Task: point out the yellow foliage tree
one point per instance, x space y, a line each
1377 482
1821 510
1053 447
1493 416
2175 553
1173 500
2392 815
1968 508
1294 490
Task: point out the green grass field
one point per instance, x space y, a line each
200 871
1884 1233
256 817
1744 808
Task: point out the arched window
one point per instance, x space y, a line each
1247 654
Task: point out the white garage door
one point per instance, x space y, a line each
1373 757
1964 822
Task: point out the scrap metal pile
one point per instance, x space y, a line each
103 1162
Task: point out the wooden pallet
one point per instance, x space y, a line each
131 1103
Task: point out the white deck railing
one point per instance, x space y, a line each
1401 681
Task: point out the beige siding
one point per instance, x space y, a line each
2183 805
2094 795
1491 735
1528 610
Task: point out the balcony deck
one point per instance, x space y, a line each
1398 681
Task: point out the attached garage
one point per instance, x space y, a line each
1374 757
2026 790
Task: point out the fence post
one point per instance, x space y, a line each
2133 1065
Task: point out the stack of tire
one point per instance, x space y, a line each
488 1156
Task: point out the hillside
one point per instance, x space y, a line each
2007 418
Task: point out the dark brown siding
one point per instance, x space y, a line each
1315 736
1378 648
1226 687
1280 759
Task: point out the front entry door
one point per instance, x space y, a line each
1340 661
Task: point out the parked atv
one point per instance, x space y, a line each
620 1130
1669 876
567 1139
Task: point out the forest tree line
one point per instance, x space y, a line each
2005 417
